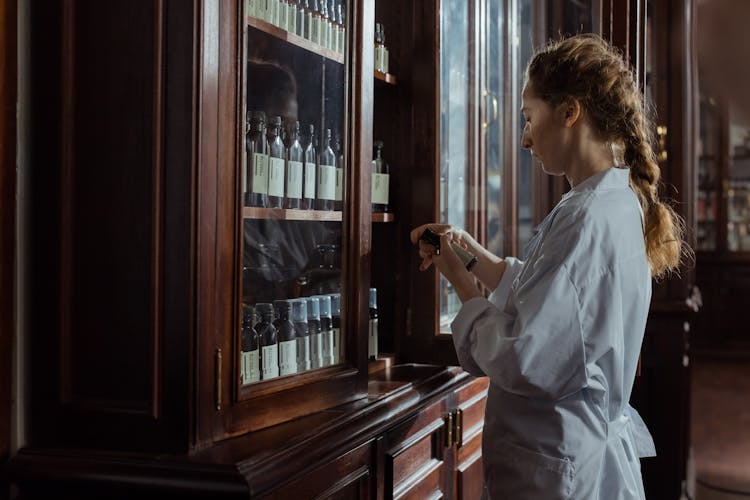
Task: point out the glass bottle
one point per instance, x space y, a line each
308 21
252 8
326 191
302 330
315 22
293 17
336 328
342 30
338 204
383 51
283 14
372 345
325 24
326 331
378 48
255 179
333 40
250 349
301 18
314 334
275 164
380 180
310 167
269 348
294 170
287 337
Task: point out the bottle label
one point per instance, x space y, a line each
243 368
303 353
315 30
292 23
276 177
335 38
283 15
380 188
276 9
373 343
328 356
316 350
310 180
336 345
288 357
339 184
326 182
270 361
250 5
331 36
384 58
342 40
377 64
260 173
324 33
309 25
294 179
253 366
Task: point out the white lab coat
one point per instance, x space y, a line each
559 339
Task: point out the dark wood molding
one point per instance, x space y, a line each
8 110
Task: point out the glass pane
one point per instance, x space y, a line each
708 175
493 136
291 188
738 192
454 120
526 166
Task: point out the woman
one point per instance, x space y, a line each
560 335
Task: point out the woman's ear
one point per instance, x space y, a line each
572 111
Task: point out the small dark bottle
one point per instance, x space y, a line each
302 329
339 151
313 326
310 168
276 164
287 337
269 348
336 347
307 20
250 350
326 331
380 180
372 350
326 192
294 170
255 178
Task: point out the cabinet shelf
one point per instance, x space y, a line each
293 214
293 39
385 77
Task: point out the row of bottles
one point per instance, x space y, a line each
291 175
290 336
319 21
381 51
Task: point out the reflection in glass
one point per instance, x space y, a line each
738 192
709 159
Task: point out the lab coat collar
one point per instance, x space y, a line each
611 178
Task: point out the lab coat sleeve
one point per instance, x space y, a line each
499 296
532 347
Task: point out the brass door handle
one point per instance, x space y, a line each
661 133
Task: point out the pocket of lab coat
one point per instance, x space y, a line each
522 474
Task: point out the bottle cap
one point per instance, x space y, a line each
282 308
313 307
247 316
299 310
335 304
374 298
325 306
265 311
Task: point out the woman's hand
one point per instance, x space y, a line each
448 234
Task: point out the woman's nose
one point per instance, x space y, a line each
526 142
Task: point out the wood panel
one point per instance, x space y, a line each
8 78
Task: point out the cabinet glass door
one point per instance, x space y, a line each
738 186
291 190
709 175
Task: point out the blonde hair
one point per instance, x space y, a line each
588 69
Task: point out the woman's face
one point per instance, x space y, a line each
543 133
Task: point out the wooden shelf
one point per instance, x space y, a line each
386 77
293 214
383 217
289 214
304 43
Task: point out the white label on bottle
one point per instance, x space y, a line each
334 38
260 173
316 350
294 179
276 177
250 5
243 369
342 40
276 9
329 357
270 360
326 182
323 33
384 58
315 30
377 58
310 180
380 188
303 353
292 22
308 25
253 366
373 343
288 357
283 13
336 345
339 184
